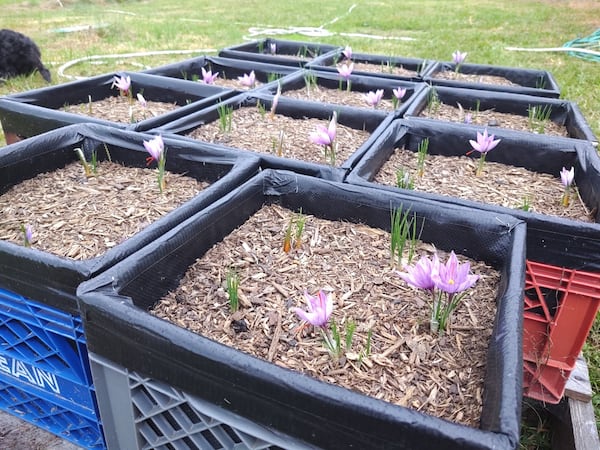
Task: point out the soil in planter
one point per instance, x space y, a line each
491 118
233 83
500 184
336 96
79 218
383 68
121 109
407 365
473 78
254 130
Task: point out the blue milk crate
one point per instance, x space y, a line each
45 377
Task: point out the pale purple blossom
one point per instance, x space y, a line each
123 83
273 48
567 176
373 98
155 147
484 142
459 57
325 135
142 100
208 77
345 70
399 93
320 308
453 277
248 80
420 275
347 52
468 118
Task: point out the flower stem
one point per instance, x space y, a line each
480 166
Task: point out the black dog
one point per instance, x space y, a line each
20 56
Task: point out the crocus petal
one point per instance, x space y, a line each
155 147
332 129
142 100
567 176
321 136
399 93
248 80
347 52
319 309
420 274
454 277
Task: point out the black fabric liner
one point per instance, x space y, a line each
550 240
563 112
372 120
530 81
37 111
418 65
285 55
118 328
51 279
228 68
358 83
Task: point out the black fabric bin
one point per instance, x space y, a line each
320 414
33 112
526 81
373 121
287 53
550 240
563 112
52 280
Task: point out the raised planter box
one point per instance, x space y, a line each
562 112
279 51
34 112
138 357
525 81
228 68
380 66
567 247
372 121
359 84
44 369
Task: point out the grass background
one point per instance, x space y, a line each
482 28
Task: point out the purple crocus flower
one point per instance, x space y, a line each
468 118
373 98
123 83
208 77
345 70
248 80
459 57
567 176
420 274
273 48
155 147
453 277
142 100
28 233
325 135
484 142
399 93
319 309
347 52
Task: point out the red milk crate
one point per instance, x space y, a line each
559 311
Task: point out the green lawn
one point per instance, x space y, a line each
436 28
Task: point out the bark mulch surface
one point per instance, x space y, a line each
492 118
80 218
252 130
500 184
383 68
407 365
120 109
473 78
336 96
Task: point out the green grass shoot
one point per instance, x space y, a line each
225 117
422 150
233 282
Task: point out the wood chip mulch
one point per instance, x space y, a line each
407 365
120 109
337 96
80 218
258 132
492 118
383 68
472 78
500 184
